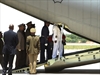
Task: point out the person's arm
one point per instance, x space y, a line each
4 38
19 43
27 44
55 32
16 40
38 44
45 32
1 46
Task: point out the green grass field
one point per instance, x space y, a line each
80 46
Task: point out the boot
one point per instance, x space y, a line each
30 67
4 72
10 71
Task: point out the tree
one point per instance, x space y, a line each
71 38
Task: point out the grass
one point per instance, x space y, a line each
80 46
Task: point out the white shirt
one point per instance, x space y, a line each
57 32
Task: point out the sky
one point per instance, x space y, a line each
9 16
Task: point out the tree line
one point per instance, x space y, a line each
72 38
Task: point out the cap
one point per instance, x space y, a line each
46 22
29 23
33 25
21 25
58 24
32 30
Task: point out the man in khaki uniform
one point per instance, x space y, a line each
29 26
33 49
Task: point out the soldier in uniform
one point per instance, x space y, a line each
9 49
1 46
29 26
21 48
44 43
32 49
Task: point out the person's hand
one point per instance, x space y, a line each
46 44
19 49
56 36
55 41
27 52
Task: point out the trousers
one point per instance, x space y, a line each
57 47
32 62
20 59
42 52
7 59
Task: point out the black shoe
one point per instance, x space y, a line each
7 68
42 61
10 74
4 72
15 68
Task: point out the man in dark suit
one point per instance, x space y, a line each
9 49
44 44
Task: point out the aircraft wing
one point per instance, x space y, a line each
81 16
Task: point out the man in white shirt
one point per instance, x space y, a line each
57 41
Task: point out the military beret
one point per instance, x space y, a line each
32 30
33 25
29 23
21 25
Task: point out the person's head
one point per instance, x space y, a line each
33 31
21 27
47 23
29 24
0 34
59 26
11 27
33 26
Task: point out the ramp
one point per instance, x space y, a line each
26 69
69 60
73 59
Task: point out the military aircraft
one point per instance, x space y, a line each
81 17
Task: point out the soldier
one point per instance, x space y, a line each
29 26
32 49
44 43
1 46
9 49
21 48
